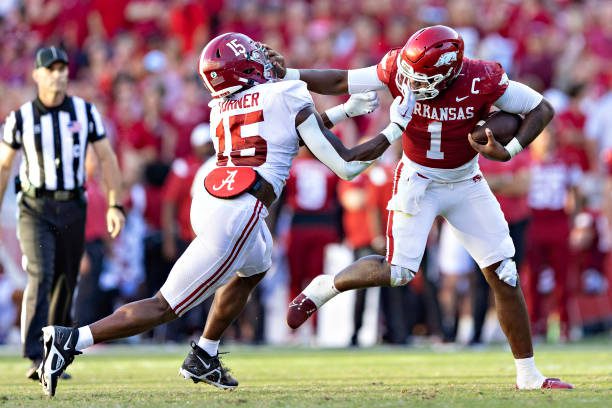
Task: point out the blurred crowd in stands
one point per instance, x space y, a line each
137 61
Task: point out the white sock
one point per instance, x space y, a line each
528 377
209 346
85 338
321 289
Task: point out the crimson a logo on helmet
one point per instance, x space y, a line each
446 58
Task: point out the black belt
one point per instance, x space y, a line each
263 191
58 195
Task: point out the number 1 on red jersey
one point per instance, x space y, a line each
435 144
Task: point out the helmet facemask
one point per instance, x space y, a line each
430 86
430 61
260 56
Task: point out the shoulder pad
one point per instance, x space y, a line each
294 94
387 65
493 77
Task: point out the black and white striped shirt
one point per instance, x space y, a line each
54 141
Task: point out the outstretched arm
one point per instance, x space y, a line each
328 81
357 105
348 163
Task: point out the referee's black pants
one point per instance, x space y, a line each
51 235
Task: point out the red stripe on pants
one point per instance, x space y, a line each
186 303
390 242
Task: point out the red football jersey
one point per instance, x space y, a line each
437 134
177 190
311 187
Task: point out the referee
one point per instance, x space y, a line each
53 132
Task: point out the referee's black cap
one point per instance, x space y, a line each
46 56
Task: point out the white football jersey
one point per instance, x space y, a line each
256 128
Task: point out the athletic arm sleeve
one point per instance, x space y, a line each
363 80
323 150
518 98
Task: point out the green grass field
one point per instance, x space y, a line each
122 376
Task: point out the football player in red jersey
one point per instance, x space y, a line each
439 174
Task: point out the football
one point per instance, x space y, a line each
504 126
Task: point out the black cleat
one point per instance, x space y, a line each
59 350
199 366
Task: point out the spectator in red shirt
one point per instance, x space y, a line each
176 196
107 18
571 122
188 111
589 242
552 197
188 22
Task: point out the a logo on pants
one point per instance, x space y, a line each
228 181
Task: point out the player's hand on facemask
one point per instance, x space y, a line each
277 60
400 111
361 103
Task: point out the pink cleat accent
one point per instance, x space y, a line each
556 384
553 384
300 309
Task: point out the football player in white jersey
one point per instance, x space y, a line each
257 125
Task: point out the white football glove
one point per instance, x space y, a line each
361 103
400 113
357 105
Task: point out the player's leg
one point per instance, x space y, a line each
479 223
228 303
406 240
132 318
195 275
203 363
206 265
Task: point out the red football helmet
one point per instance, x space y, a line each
232 61
430 61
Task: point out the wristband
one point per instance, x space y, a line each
291 73
336 114
119 207
514 147
392 132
